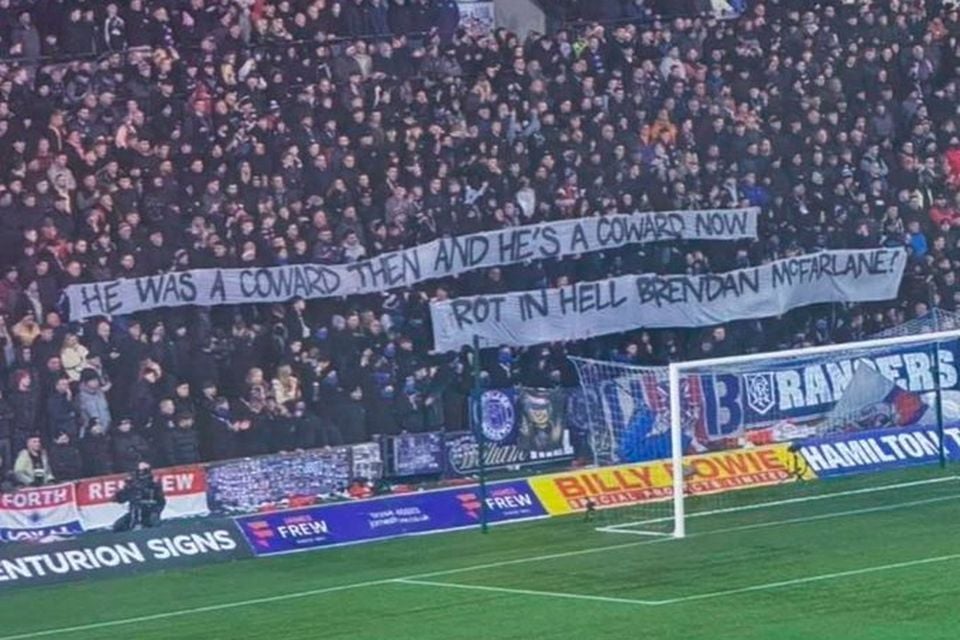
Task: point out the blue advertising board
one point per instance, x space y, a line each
877 450
379 518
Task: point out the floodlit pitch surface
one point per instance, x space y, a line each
877 565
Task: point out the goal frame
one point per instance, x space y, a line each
675 371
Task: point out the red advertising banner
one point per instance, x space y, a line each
184 487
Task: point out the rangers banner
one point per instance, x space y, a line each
627 303
39 513
184 487
437 259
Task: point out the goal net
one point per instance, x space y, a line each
705 437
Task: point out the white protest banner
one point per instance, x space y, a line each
436 259
626 303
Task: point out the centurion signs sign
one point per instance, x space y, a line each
179 544
437 259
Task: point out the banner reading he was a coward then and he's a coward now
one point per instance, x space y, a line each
627 303
437 259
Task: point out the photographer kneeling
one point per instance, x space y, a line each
146 499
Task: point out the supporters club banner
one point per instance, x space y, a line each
519 426
414 513
413 454
570 492
185 489
626 303
437 259
38 513
248 484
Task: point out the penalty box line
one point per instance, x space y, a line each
422 581
424 577
700 596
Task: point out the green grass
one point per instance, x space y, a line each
721 579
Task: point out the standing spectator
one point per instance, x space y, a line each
92 401
447 18
181 444
32 467
73 357
65 462
96 450
62 414
129 447
114 29
286 386
25 401
351 418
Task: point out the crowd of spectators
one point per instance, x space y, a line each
154 135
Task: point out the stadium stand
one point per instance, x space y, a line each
163 135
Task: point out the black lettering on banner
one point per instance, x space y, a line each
166 289
320 281
149 288
721 224
664 229
477 310
90 295
106 298
579 240
889 257
590 296
217 289
111 295
247 285
187 288
411 264
524 237
699 289
552 246
534 305
95 299
457 253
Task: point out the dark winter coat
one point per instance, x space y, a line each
129 449
181 446
65 461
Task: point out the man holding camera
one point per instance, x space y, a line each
145 497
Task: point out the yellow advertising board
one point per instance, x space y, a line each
570 491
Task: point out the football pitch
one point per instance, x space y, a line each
874 557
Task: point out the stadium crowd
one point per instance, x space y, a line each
155 135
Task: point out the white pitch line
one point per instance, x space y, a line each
526 592
700 596
809 579
186 612
491 565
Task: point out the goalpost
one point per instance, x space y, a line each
703 437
